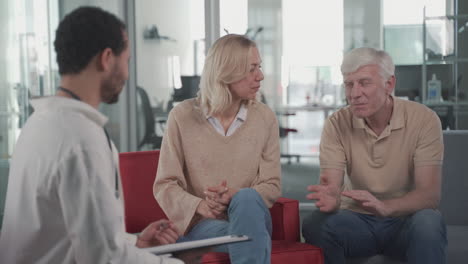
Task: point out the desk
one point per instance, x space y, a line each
284 110
309 126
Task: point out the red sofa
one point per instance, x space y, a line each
138 171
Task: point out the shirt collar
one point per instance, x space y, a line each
241 115
398 117
396 121
59 103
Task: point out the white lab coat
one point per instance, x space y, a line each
61 205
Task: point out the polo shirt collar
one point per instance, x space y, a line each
358 122
396 121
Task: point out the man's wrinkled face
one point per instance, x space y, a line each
366 90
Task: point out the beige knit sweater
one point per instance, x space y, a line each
195 156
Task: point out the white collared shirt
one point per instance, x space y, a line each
61 205
240 118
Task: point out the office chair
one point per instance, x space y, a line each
149 137
283 132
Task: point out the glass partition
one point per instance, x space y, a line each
27 69
169 58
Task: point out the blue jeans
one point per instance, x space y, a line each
418 238
248 215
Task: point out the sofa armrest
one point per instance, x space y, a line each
137 173
285 219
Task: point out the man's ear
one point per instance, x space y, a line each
105 60
390 84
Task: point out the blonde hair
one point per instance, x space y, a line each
359 57
227 62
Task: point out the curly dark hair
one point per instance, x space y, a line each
84 33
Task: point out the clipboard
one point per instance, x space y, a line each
209 242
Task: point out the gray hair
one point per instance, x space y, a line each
227 62
360 57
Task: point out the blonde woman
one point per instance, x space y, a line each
219 168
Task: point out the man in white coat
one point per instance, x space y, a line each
63 203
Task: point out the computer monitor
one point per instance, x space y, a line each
189 89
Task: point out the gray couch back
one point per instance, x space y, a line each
454 200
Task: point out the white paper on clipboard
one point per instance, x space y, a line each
209 242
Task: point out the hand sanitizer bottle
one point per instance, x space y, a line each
433 89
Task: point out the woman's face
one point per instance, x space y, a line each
248 87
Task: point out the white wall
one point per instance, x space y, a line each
182 20
311 33
113 6
233 16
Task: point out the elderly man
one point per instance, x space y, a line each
380 180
